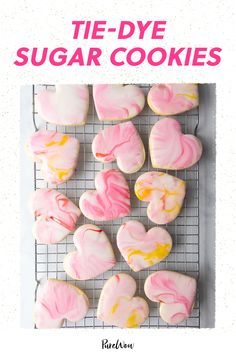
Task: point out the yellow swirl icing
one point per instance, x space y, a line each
187 95
132 320
60 142
60 172
114 308
143 193
160 252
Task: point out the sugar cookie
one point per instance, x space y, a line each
56 301
170 99
67 105
170 149
143 249
120 142
58 154
176 293
165 194
56 215
118 102
110 200
94 254
117 305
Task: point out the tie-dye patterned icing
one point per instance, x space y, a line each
120 142
110 200
56 215
94 254
118 102
171 99
165 194
56 301
67 105
58 154
170 149
176 293
143 249
118 307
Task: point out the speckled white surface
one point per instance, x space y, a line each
190 23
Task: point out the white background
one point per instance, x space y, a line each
48 23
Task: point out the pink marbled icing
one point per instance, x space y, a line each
118 102
67 105
170 99
94 254
56 301
143 249
170 148
165 194
120 142
118 307
56 215
58 154
176 293
110 201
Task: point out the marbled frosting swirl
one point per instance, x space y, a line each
110 201
165 194
170 99
120 142
171 149
58 300
118 307
118 102
58 154
143 249
56 215
176 293
94 254
67 105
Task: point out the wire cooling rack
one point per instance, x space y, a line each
184 256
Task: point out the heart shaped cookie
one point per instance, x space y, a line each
165 194
176 293
120 142
118 102
170 99
171 149
94 254
58 300
56 215
58 154
66 105
118 307
110 201
143 249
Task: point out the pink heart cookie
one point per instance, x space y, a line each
110 201
118 102
94 254
117 305
58 300
165 194
170 99
67 105
56 215
58 154
171 149
176 293
120 142
143 249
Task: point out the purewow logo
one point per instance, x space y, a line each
116 345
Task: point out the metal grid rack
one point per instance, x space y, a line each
184 256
